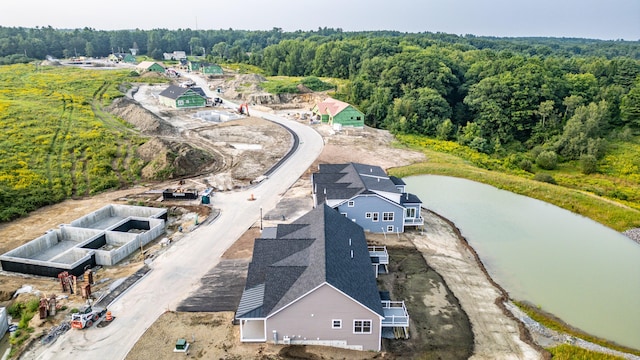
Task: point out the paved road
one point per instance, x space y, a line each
177 272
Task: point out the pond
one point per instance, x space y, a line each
579 270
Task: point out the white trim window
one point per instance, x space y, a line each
345 214
387 216
375 217
351 203
362 326
389 228
367 215
411 213
336 324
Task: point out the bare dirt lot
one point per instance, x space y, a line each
445 322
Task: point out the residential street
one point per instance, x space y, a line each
177 272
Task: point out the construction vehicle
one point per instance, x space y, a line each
86 317
244 109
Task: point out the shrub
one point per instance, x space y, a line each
316 84
588 164
543 177
526 165
15 310
33 305
547 160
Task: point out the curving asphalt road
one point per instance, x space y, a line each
177 272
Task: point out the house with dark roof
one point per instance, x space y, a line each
310 282
183 97
367 196
334 112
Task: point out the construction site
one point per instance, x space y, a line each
110 249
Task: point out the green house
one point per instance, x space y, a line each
334 111
150 66
193 66
182 97
128 58
118 57
211 69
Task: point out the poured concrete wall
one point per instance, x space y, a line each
4 322
104 217
104 237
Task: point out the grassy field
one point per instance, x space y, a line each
56 141
610 197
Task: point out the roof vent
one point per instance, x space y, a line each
352 254
349 241
371 170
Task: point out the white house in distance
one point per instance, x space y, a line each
311 282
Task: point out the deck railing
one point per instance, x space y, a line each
380 252
395 314
414 221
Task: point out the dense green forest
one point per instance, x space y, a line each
488 93
531 103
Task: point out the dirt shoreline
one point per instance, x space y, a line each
525 335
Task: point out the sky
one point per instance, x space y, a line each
594 19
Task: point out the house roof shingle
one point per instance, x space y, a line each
320 247
344 181
175 91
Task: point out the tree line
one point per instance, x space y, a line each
561 97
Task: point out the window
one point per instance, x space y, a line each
351 203
411 213
336 324
180 102
389 228
344 214
374 216
387 216
367 215
362 326
358 118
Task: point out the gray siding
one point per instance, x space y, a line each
372 203
310 318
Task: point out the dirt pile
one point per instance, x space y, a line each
169 160
144 120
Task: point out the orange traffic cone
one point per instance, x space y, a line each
109 316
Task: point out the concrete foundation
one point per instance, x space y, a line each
104 237
216 116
